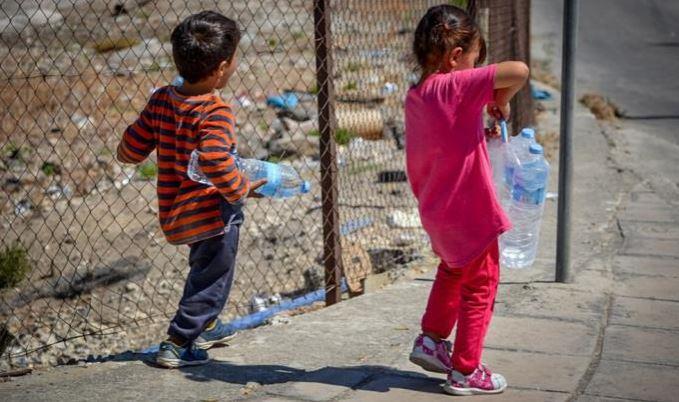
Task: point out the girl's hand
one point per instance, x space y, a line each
492 132
499 112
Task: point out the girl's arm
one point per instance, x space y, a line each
510 76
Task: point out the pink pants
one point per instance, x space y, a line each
464 295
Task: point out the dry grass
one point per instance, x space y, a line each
550 143
539 70
113 44
601 107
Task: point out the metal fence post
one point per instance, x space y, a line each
332 257
563 236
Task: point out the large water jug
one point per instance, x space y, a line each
282 180
524 207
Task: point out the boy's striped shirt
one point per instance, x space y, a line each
175 125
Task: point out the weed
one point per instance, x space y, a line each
14 265
343 136
353 67
350 86
49 168
147 170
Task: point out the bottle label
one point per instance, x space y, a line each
534 197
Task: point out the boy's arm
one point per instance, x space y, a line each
510 77
216 140
138 140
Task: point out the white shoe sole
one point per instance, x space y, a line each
425 361
179 363
471 391
208 344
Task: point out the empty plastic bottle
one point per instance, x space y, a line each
516 151
503 158
282 180
529 185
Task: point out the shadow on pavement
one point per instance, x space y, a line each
366 377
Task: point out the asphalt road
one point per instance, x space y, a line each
627 50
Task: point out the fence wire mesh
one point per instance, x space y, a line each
84 267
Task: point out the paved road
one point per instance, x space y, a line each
627 50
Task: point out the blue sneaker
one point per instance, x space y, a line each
215 334
173 356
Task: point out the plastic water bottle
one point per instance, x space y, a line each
282 180
529 185
521 143
516 151
503 158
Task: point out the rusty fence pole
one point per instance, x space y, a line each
332 252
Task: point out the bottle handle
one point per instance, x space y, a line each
503 131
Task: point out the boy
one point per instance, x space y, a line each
176 121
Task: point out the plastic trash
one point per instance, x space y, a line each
540 94
389 88
282 180
286 100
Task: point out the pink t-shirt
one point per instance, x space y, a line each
448 166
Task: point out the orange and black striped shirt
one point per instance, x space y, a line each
174 125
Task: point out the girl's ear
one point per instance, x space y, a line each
455 55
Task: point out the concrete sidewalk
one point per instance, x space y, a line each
612 335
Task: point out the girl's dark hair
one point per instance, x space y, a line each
442 29
201 42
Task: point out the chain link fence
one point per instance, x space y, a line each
84 268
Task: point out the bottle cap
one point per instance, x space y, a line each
306 187
536 149
528 133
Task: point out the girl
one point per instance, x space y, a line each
450 175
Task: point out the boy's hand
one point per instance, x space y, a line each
499 111
254 186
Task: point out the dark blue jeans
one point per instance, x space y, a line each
208 284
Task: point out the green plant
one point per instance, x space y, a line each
13 151
272 42
147 170
343 136
14 265
353 66
49 168
263 125
314 89
154 67
459 3
350 86
143 14
111 44
314 133
361 167
298 35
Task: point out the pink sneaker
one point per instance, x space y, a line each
431 355
481 381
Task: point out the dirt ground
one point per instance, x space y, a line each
69 85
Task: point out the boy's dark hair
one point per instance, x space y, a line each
442 29
201 42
